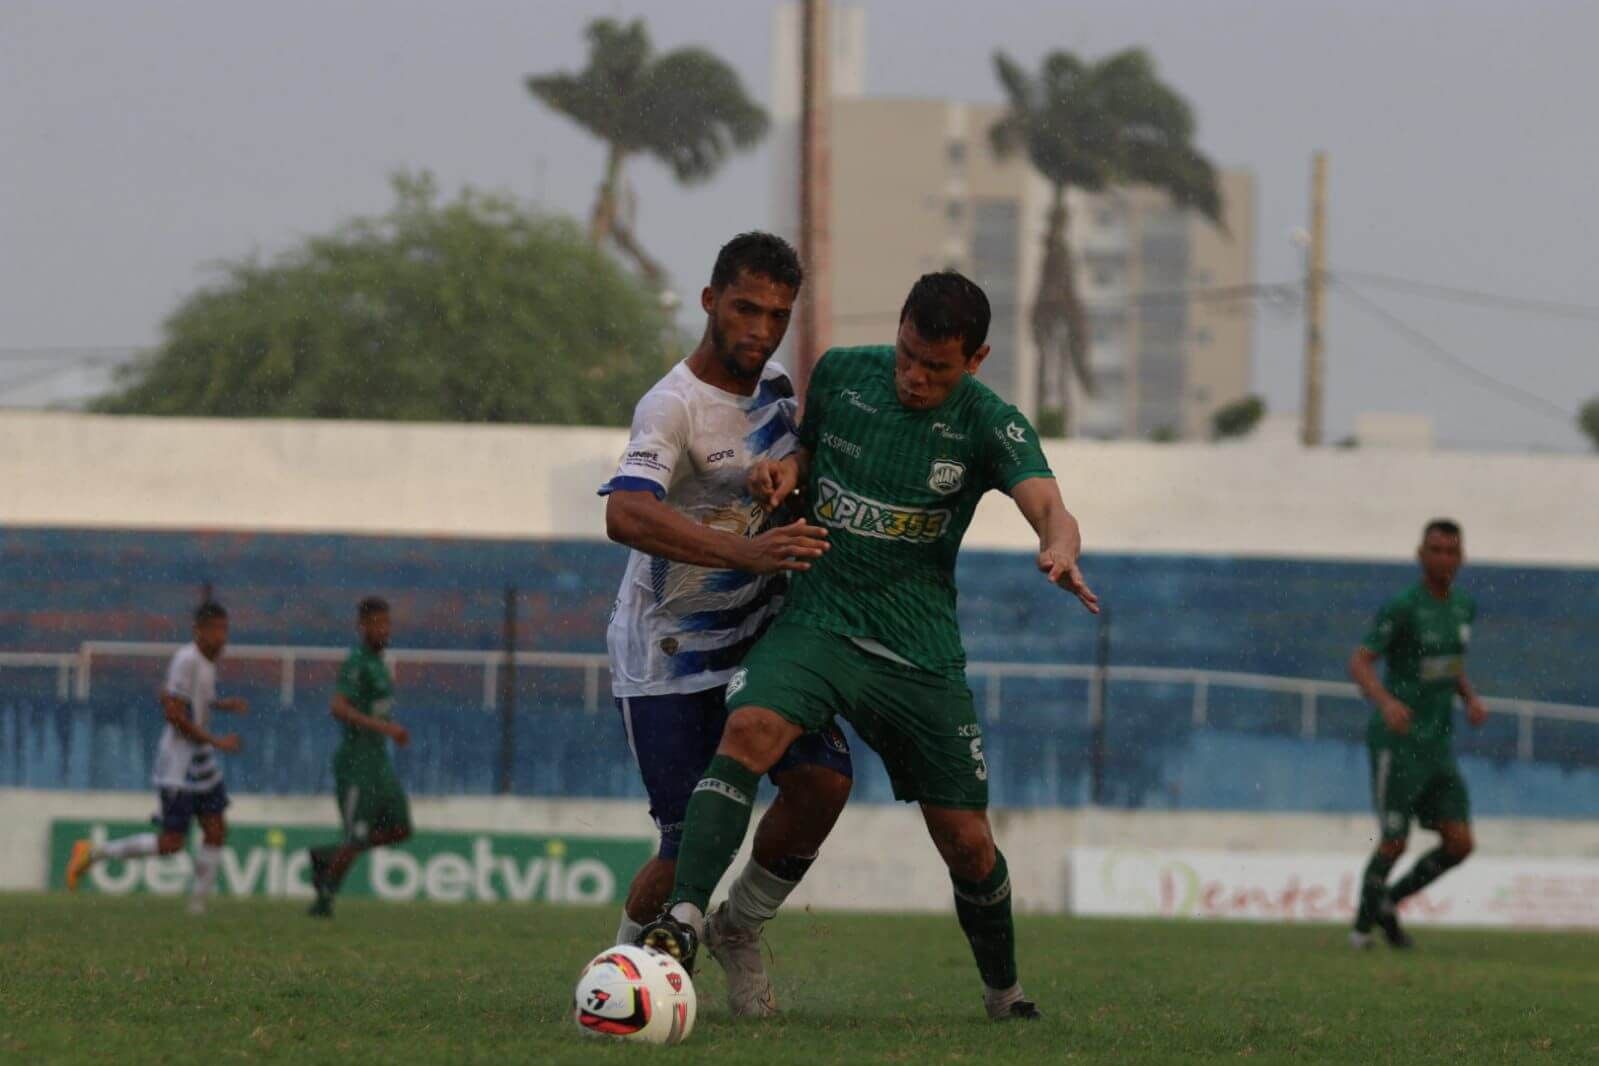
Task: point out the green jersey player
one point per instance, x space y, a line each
1422 633
372 805
896 448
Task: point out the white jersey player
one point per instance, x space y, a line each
188 774
704 578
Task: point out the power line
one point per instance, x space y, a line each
1473 297
1443 355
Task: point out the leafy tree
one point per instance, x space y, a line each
474 310
686 108
1237 419
1588 420
1092 126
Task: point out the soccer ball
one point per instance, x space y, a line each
634 993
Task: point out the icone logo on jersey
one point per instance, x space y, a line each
1016 433
717 457
836 506
853 398
944 430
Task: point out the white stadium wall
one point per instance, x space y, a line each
532 481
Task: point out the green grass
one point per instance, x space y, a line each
138 980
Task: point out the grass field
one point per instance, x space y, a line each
138 980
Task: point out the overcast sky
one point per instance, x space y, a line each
140 141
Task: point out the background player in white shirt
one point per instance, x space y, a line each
188 776
704 578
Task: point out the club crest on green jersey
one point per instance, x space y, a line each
840 508
947 476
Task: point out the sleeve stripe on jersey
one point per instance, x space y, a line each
1027 475
632 484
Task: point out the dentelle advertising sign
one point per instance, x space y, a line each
441 867
1321 887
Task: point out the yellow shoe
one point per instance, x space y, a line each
78 865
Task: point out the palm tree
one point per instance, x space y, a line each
1094 125
686 108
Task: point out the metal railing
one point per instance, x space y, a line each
75 674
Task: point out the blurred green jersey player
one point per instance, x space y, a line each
897 446
372 805
1422 635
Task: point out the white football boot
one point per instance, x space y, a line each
749 990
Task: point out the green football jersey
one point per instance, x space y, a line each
1423 641
365 681
896 488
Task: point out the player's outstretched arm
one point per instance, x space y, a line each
176 710
644 523
345 711
1363 670
1060 539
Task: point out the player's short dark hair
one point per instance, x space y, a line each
948 304
1447 526
765 255
207 611
370 606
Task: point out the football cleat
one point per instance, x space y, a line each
749 990
1020 1010
1360 941
78 865
1388 922
677 939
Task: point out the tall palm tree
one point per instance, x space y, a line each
1093 125
686 108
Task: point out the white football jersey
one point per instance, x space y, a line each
679 628
179 762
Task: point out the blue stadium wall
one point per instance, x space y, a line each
1535 639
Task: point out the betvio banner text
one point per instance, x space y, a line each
271 861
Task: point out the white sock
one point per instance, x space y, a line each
206 862
687 912
756 895
134 847
627 932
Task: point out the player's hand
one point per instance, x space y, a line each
787 547
1476 712
1065 573
234 704
229 743
400 735
772 481
1396 716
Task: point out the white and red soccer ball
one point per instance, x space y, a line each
632 993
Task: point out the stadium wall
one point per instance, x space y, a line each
1234 500
1243 866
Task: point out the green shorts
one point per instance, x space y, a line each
924 726
1408 784
370 799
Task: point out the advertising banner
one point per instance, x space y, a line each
1319 887
271 860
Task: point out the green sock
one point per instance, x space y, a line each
1428 869
983 908
718 816
1373 886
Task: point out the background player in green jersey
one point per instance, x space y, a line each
1422 633
896 448
372 805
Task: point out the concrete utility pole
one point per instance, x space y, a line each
815 188
1315 304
